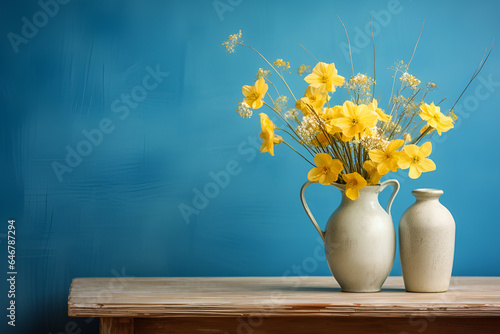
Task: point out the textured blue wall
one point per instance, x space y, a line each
153 78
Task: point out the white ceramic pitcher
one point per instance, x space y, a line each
360 239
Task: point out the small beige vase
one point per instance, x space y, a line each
427 243
360 239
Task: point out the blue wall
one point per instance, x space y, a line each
116 211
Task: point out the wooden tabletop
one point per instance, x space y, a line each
274 297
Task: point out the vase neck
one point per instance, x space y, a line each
366 194
425 194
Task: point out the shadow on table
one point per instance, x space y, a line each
320 289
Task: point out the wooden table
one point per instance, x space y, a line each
253 305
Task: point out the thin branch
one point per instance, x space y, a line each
349 43
309 52
476 72
374 74
415 49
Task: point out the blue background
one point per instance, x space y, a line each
118 212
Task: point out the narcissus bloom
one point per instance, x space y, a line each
354 119
327 169
415 158
330 115
387 159
434 118
325 76
371 167
354 182
314 97
255 94
380 113
269 139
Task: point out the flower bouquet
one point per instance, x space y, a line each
353 142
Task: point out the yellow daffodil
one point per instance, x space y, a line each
380 113
354 182
269 139
314 97
415 158
327 169
325 77
330 116
434 118
354 119
371 167
387 159
255 94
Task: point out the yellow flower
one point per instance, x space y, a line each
282 65
244 110
262 73
269 139
387 159
232 41
325 76
314 97
380 113
330 116
303 69
415 158
453 116
354 182
354 119
435 118
255 94
410 80
327 169
371 167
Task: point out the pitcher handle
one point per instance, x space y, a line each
306 207
395 184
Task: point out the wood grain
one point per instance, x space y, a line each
116 326
275 297
337 325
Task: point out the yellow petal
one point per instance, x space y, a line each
322 159
404 160
377 155
336 166
247 90
327 179
375 178
352 193
256 104
425 150
394 145
259 85
314 174
412 150
370 166
382 168
349 109
426 165
414 172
